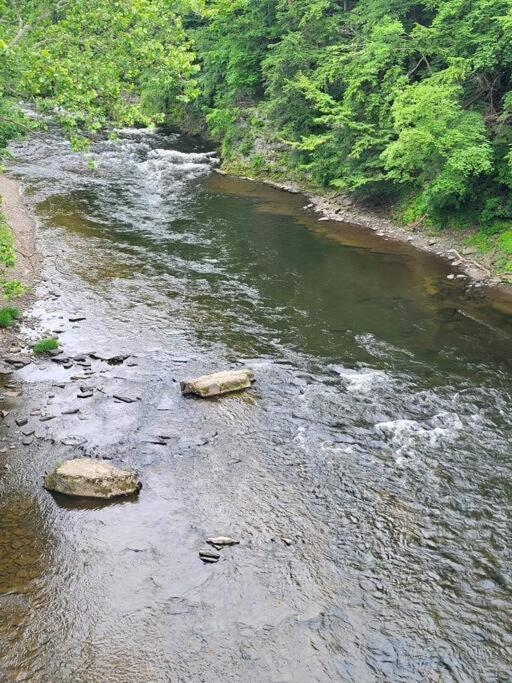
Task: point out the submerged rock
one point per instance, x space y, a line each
89 478
218 383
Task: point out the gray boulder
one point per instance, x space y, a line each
218 383
90 478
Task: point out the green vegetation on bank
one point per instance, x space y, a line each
399 102
46 345
8 314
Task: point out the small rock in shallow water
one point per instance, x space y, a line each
209 555
71 411
85 394
21 421
222 541
218 383
126 399
90 478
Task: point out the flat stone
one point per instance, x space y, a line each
18 361
76 318
71 411
21 421
85 394
90 478
46 418
218 383
125 399
111 360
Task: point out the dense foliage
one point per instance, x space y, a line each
403 101
90 64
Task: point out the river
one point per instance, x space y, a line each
367 474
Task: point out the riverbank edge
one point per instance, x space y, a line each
22 224
336 207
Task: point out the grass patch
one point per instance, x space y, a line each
45 345
8 315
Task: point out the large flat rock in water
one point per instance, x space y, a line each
90 478
218 383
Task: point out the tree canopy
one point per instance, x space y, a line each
408 101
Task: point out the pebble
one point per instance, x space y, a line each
21 421
76 318
46 418
71 411
85 394
59 385
450 277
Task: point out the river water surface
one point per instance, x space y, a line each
376 440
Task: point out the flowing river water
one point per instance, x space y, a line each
366 474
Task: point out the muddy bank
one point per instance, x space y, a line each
467 264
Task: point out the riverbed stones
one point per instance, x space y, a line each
90 478
218 383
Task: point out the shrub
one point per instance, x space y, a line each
7 315
45 345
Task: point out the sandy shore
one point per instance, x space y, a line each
23 226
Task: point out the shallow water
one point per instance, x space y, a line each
376 440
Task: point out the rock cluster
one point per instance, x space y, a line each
210 553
